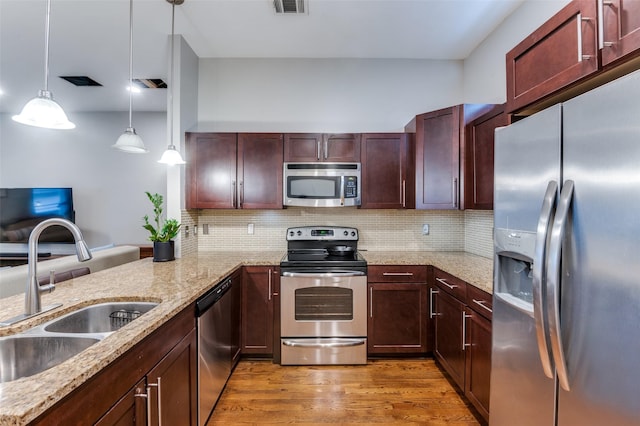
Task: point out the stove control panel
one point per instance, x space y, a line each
322 233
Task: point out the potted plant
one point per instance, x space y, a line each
162 236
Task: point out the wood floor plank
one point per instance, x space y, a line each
383 392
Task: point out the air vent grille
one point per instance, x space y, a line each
80 80
290 6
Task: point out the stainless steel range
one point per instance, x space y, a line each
323 297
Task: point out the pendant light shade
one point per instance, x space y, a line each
129 141
172 156
43 111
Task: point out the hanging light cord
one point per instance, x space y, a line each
46 48
130 62
173 18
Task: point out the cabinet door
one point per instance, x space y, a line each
620 29
172 383
260 171
211 171
130 410
562 51
437 159
449 346
302 147
397 318
386 177
343 147
477 155
478 362
257 310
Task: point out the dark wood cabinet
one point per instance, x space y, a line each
163 364
398 317
388 176
306 147
478 362
461 315
438 137
130 410
477 157
620 29
211 170
258 286
229 171
170 390
260 170
584 45
562 51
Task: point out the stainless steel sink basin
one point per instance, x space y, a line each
100 318
25 355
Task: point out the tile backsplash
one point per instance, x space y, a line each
379 229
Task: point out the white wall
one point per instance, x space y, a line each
485 69
108 185
322 95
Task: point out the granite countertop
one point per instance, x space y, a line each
175 285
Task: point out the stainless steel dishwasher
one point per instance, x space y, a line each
213 312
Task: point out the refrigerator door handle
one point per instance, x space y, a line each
553 281
538 282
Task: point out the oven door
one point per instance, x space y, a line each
332 304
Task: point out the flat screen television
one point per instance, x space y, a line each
21 209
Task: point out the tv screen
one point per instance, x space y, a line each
21 209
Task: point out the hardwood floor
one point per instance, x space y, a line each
408 392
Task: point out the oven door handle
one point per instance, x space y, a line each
341 343
324 274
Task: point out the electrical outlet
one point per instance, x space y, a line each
186 231
250 229
205 228
425 229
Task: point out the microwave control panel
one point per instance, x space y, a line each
350 187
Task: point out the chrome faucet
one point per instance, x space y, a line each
32 295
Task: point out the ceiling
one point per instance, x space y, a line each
91 37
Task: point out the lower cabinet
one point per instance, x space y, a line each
153 383
398 317
461 316
259 292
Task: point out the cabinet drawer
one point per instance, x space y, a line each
450 284
397 273
480 301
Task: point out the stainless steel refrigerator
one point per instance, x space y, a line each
566 319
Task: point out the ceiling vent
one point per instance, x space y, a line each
150 83
290 6
80 80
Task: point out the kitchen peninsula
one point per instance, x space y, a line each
175 285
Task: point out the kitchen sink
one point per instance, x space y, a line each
100 318
26 355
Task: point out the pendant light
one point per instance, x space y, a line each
43 111
129 141
172 156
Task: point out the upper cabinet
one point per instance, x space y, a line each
306 147
387 171
438 138
229 171
477 159
584 40
620 28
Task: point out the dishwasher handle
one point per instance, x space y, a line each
212 296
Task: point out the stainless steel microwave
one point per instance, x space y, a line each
322 184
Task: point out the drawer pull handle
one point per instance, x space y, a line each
482 304
397 274
443 281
